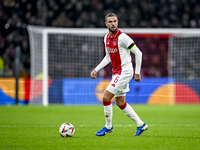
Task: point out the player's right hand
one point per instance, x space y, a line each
93 74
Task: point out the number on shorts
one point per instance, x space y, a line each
116 79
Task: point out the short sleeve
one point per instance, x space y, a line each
126 40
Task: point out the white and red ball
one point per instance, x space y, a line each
66 130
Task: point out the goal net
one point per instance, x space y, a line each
184 67
62 60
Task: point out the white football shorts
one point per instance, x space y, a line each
119 84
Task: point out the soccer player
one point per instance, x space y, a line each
118 46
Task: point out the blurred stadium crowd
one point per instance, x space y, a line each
16 14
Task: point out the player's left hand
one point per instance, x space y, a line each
137 78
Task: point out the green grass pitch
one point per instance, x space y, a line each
36 127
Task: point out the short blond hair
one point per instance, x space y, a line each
110 15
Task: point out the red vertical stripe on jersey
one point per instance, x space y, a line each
113 50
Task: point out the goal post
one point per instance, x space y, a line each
62 59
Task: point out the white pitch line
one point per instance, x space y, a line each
127 125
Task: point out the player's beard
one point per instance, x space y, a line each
113 30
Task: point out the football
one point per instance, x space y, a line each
66 130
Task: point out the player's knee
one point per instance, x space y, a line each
106 98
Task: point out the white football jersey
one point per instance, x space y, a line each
118 49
